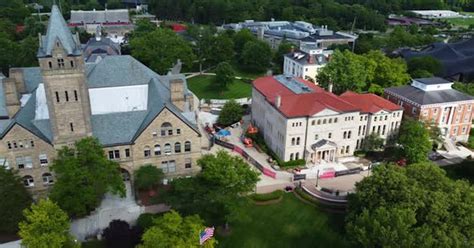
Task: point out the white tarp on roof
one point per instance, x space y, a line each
118 99
41 106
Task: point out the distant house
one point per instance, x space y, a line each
408 21
433 100
305 62
98 47
457 58
116 23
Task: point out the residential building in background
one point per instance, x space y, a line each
98 47
436 14
139 117
433 100
299 32
300 120
116 22
306 62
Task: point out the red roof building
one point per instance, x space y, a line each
301 120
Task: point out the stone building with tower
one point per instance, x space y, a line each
139 117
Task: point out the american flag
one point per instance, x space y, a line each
206 234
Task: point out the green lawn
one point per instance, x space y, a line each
464 22
205 88
290 223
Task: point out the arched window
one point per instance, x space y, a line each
347 149
291 156
167 149
47 178
157 150
72 64
187 146
349 134
166 129
177 147
297 156
28 181
344 135
50 65
146 152
298 141
292 141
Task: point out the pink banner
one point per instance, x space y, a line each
327 174
238 150
269 172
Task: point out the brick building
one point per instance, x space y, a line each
139 117
433 100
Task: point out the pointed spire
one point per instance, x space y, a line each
58 31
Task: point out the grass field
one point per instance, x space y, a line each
462 22
290 223
204 88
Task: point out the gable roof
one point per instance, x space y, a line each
58 31
302 104
369 103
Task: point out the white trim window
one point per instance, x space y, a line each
28 181
43 158
48 178
168 166
24 162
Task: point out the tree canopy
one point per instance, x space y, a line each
119 234
45 226
224 74
11 210
349 71
424 67
148 176
256 56
413 206
172 230
231 113
415 141
84 175
215 193
161 49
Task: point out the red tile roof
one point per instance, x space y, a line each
369 103
305 104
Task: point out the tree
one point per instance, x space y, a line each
45 225
119 235
161 49
467 88
148 176
347 71
222 49
172 230
388 72
413 206
231 113
11 210
372 142
241 38
415 141
84 175
216 193
256 56
224 74
421 66
143 27
285 47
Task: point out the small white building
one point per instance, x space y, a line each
306 62
436 14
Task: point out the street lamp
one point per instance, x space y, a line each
317 178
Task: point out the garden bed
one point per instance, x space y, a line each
268 198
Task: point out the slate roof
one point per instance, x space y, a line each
433 80
317 59
456 58
370 103
321 143
58 31
428 97
102 47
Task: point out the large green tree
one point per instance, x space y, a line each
216 193
161 49
415 140
172 230
46 226
84 175
256 56
424 67
413 206
231 113
16 200
224 74
388 72
148 176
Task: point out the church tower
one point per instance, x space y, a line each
63 70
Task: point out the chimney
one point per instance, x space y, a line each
278 101
177 93
330 87
310 59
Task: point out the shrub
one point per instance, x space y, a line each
145 220
267 197
148 176
293 163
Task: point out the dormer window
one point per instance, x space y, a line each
72 64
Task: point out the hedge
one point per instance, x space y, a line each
267 197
